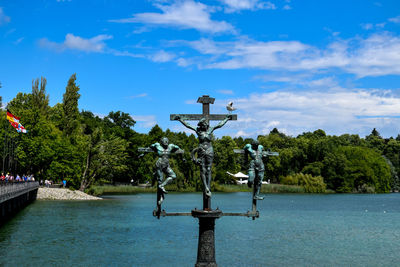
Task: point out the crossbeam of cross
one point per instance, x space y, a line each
265 153
205 100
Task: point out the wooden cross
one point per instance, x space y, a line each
205 100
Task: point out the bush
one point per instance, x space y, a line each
311 184
290 180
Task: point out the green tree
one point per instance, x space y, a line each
105 158
225 159
40 99
70 106
375 141
353 169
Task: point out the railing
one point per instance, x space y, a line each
12 189
5 183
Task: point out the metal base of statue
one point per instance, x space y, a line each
206 244
206 241
160 199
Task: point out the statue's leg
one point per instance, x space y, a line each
160 191
251 174
160 178
170 177
160 198
209 174
258 183
204 175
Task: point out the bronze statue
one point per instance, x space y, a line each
164 150
205 151
256 168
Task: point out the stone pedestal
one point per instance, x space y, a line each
206 246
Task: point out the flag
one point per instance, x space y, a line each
14 120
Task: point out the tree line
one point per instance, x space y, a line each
84 149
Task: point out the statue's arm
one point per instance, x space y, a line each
220 124
176 149
145 150
187 125
246 150
154 147
263 152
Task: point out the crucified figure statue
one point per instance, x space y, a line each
205 151
163 150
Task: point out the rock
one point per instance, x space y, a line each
63 194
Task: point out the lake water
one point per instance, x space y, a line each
293 230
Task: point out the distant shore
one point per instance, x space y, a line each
129 189
63 194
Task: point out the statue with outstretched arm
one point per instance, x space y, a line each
205 151
163 169
256 168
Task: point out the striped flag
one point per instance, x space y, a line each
14 120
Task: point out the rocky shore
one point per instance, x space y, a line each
63 194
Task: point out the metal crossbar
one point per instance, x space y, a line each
163 213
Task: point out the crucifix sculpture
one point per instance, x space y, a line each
205 151
205 154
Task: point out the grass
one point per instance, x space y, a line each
281 188
99 190
266 188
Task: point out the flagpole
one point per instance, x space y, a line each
6 143
13 143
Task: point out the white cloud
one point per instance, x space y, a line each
337 111
395 19
207 46
367 26
242 133
182 62
191 102
380 25
72 42
292 78
287 7
370 26
263 55
377 55
124 53
183 15
238 5
162 56
138 96
3 18
225 92
145 121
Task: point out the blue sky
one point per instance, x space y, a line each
290 64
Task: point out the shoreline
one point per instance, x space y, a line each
129 189
45 193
